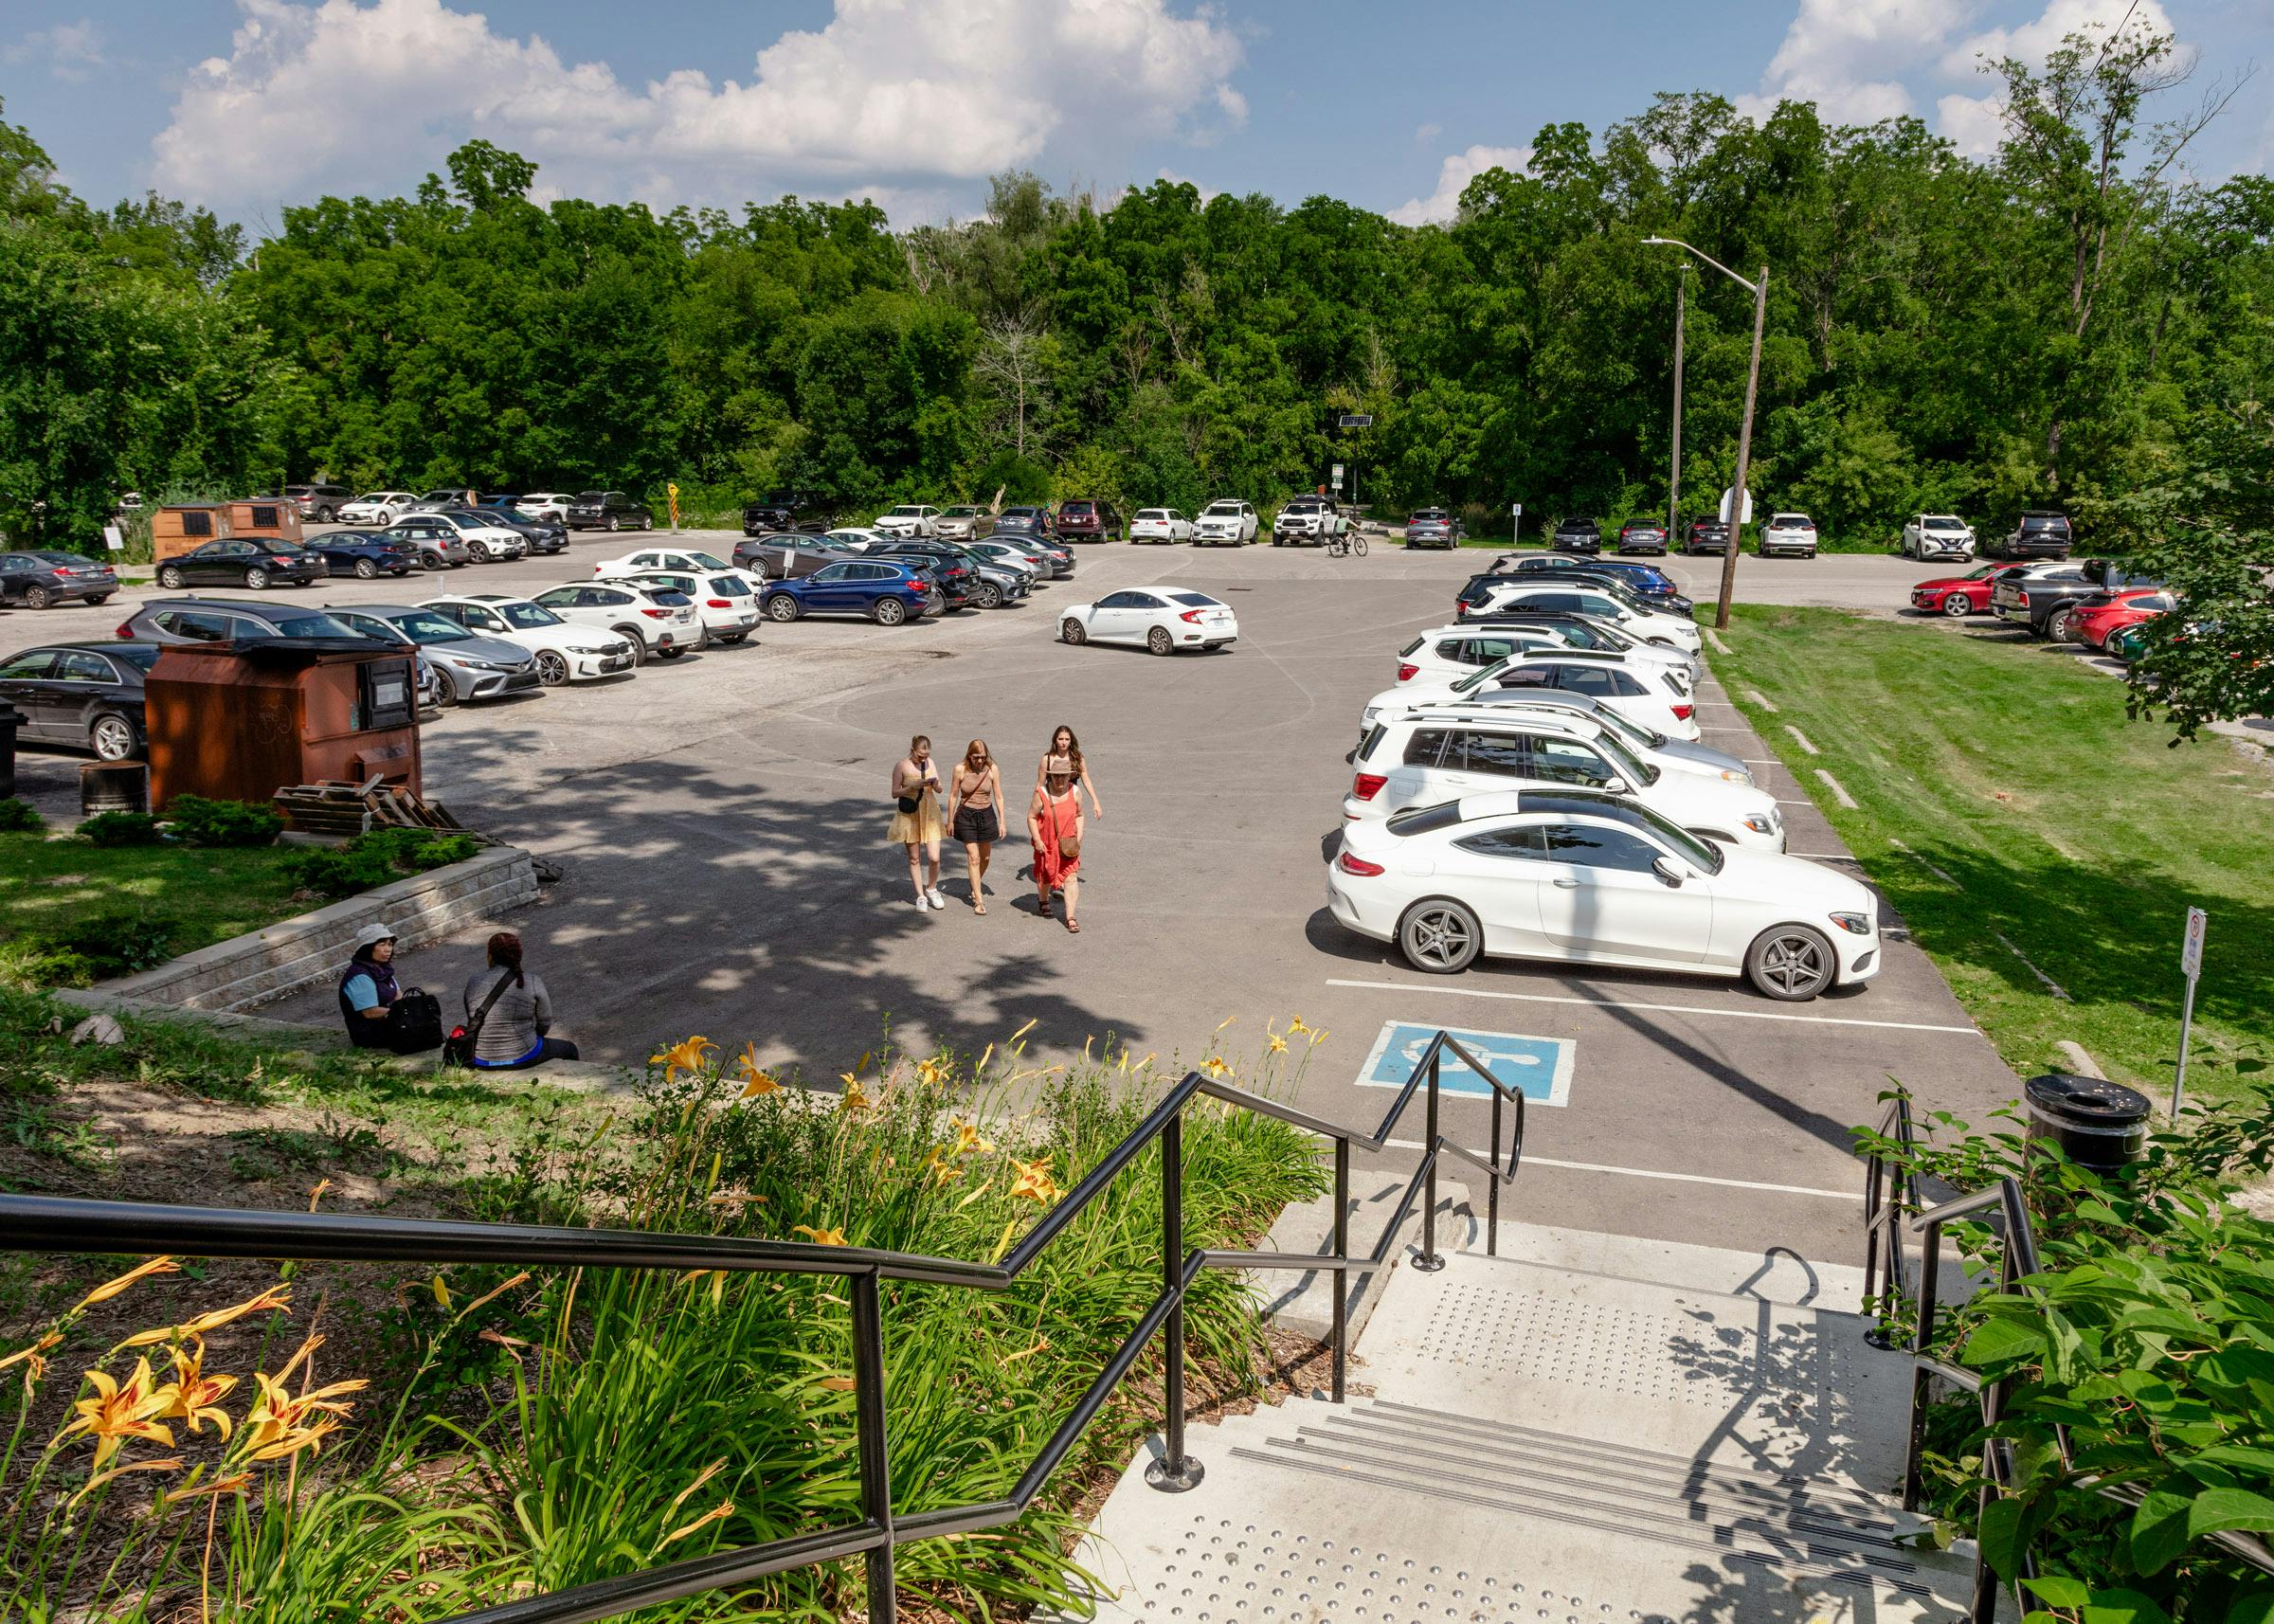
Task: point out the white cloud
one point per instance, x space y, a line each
906 93
71 50
1427 132
1973 124
1453 176
1843 56
2036 40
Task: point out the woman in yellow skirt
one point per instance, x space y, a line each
916 821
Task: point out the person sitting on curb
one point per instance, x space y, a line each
367 989
512 1036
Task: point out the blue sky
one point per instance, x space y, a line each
247 104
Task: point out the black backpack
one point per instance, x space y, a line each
414 1022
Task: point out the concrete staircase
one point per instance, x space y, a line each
1550 1443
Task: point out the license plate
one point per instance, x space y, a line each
615 662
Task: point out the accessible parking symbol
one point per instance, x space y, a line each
1540 1067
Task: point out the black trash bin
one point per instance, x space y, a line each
10 719
2098 1124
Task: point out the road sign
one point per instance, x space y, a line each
111 539
1338 475
1517 509
1727 497
2191 966
2191 946
1358 419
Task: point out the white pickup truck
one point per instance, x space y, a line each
1307 521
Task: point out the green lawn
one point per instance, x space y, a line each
2002 794
128 908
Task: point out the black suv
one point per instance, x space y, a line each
1577 535
2038 535
1705 533
608 510
320 503
957 580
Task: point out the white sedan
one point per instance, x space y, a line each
909 520
683 560
1514 595
1162 618
1159 524
1439 658
1584 877
565 653
378 507
1651 697
856 538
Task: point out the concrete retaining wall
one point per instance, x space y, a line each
300 952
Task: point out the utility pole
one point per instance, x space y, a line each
1673 482
1740 500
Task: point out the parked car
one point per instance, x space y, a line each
1054 558
438 544
1651 698
367 553
1432 527
1937 535
469 666
547 505
2044 601
963 523
1163 620
2094 621
1958 596
1002 582
378 507
449 497
1022 520
759 519
1033 566
780 554
1791 534
1606 601
857 537
2038 535
887 591
1430 753
489 539
1705 533
912 519
1307 521
782 510
1683 756
1437 658
1585 631
38 580
84 695
1229 520
1646 581
191 619
1582 876
1577 535
1159 524
653 618
686 560
607 510
237 561
725 600
565 653
956 576
318 503
1085 520
1642 535
542 536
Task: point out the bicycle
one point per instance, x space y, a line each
1344 545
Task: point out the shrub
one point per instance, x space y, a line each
197 821
375 858
101 944
17 817
121 829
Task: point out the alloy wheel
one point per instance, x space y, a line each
553 670
255 580
366 570
1439 936
1793 964
37 598
112 738
1159 641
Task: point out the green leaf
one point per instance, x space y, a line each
2123 1607
2065 1346
2159 1530
1999 1340
2059 1590
2237 1509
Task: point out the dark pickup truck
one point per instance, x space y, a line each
2042 601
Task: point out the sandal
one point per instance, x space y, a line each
978 908
1074 925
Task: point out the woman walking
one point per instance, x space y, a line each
975 814
1065 745
916 820
1054 822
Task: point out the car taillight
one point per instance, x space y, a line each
284 562
657 614
1193 616
1407 673
1683 712
1349 865
1367 785
126 630
716 603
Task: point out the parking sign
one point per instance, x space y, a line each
2191 949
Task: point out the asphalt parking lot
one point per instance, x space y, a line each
720 824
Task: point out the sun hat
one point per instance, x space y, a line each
1057 766
378 930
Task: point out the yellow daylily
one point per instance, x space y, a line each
940 1163
855 1098
197 1396
110 1289
269 1297
1022 1030
1034 1182
1318 1038
719 1512
1215 1066
1226 1022
317 1193
756 1079
118 1413
1294 1024
278 1425
684 1055
933 1070
33 1358
968 1137
821 1236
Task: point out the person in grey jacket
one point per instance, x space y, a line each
513 1034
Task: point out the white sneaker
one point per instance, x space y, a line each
922 904
937 900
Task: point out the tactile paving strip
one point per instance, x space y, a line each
1224 1570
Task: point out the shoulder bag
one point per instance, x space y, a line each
457 1049
1070 841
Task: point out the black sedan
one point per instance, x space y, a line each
1642 535
36 579
233 562
364 553
84 695
1707 535
1577 535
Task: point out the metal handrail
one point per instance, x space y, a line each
64 1224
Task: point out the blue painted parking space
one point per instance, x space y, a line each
1541 1067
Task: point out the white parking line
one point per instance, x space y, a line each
1665 1008
1654 1173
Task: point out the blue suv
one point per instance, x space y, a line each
883 590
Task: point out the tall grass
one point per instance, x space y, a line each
564 1428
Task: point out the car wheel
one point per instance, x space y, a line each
990 596
647 524
112 738
479 552
614 524
37 598
171 577
366 570
1069 631
1957 605
325 515
631 635
671 653
445 691
889 612
97 600
255 580
552 668
1791 963
782 608
1159 641
2060 626
1439 936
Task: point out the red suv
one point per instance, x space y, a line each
1086 521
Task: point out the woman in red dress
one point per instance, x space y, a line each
1054 822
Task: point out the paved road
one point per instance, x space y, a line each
721 821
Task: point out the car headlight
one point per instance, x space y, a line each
473 664
1737 775
1371 712
1760 824
1854 924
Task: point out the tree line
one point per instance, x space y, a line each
2072 322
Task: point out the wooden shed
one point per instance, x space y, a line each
267 518
181 526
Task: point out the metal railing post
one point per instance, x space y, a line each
1342 1276
1492 1192
1175 1471
875 1453
1429 1262
1930 1266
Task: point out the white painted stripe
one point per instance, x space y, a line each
1802 739
1825 857
1531 1161
1666 1008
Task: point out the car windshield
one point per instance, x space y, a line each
528 617
1702 851
908 513
670 599
1636 770
1935 521
961 513
1153 514
422 627
311 626
709 561
1224 510
1477 678
1791 521
1078 508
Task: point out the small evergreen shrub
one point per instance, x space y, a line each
376 858
17 817
197 821
121 829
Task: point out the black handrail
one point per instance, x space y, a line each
63 1224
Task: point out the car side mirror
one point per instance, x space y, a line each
1668 871
1614 787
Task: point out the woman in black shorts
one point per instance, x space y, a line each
975 814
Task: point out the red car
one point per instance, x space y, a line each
2092 624
1957 595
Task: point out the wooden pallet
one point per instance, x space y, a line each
333 807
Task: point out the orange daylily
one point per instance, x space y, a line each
821 1236
278 1425
941 1165
1215 1066
756 1080
855 1096
118 1412
270 1297
968 1137
685 1056
1034 1181
197 1396
110 1289
33 1358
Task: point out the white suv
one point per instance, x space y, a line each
1433 754
487 542
654 620
723 598
1788 532
1937 535
546 505
1228 520
911 519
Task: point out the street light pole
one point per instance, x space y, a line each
1673 481
1760 290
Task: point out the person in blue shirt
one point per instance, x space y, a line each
367 988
